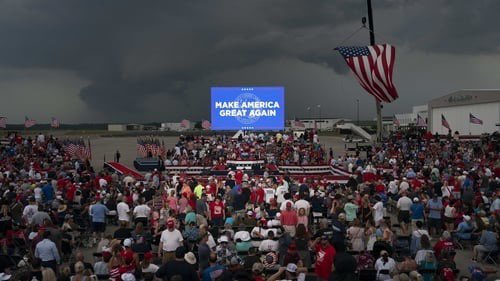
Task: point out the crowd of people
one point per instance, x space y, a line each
444 195
279 149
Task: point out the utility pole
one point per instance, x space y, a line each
372 42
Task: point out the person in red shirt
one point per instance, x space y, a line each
289 219
217 212
444 245
238 177
258 195
325 254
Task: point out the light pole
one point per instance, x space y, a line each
319 108
372 42
309 116
357 112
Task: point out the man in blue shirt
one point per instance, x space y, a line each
464 229
46 251
435 207
98 212
48 193
487 243
214 270
417 212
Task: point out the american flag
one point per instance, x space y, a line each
396 121
373 67
421 121
141 148
206 125
3 122
444 122
185 123
77 149
54 123
297 123
474 120
29 122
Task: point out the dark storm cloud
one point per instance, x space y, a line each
131 51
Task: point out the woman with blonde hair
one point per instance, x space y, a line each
80 273
48 274
356 235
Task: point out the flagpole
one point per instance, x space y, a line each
378 106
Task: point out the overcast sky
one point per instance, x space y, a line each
141 61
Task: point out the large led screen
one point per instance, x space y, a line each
248 108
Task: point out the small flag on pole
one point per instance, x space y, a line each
396 121
54 123
373 67
421 121
474 120
29 122
297 123
3 122
445 123
206 125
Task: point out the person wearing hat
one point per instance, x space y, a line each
290 272
464 229
224 251
416 212
177 266
171 239
243 242
101 266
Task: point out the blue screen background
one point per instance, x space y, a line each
229 94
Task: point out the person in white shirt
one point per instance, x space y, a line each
38 193
301 203
123 211
280 193
385 263
171 239
269 194
403 186
141 212
378 211
403 205
269 245
30 210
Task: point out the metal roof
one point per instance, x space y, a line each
466 97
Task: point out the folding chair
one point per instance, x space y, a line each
491 256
